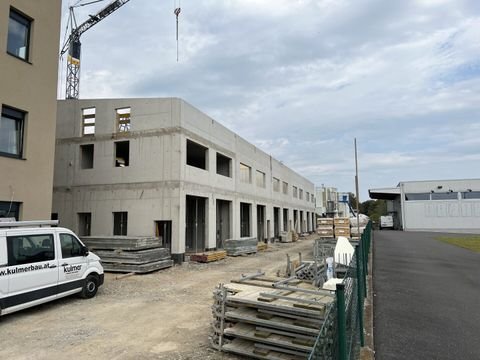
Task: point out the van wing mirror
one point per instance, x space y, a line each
84 251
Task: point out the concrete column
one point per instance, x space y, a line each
211 221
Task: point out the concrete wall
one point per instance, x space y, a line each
31 87
155 185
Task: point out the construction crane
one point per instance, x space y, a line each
73 45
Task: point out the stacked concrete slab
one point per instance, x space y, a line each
241 246
129 254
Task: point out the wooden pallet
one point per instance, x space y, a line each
209 256
261 246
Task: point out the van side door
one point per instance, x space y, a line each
32 267
3 269
72 263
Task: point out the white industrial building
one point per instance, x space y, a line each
436 205
145 167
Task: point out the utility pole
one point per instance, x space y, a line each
356 188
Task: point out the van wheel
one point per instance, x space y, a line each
90 288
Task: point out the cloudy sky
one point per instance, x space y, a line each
302 79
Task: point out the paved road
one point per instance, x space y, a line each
427 298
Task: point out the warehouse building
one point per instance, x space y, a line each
144 167
29 42
437 205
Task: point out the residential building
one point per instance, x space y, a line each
145 167
29 44
434 205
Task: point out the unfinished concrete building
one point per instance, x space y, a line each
143 167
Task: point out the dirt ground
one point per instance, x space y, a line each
162 315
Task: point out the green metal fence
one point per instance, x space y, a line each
342 335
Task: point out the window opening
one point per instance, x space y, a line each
196 155
88 121
120 222
260 179
224 165
86 156
122 153
245 173
123 119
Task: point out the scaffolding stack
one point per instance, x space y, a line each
268 317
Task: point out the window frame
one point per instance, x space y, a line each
22 18
77 241
8 112
89 116
10 249
260 179
122 220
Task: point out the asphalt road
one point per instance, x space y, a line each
426 298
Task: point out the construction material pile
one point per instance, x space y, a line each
325 227
288 236
268 317
357 230
129 254
242 246
209 256
342 226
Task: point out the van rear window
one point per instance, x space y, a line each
27 249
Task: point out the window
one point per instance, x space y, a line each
122 153
295 191
9 209
123 120
276 184
471 195
86 156
71 247
11 132
84 224
224 165
88 121
245 173
260 179
307 197
300 194
418 196
18 43
244 219
313 198
120 222
196 155
30 249
285 187
445 196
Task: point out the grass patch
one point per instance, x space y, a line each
468 242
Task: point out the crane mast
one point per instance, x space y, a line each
73 45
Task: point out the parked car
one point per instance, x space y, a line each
386 222
39 263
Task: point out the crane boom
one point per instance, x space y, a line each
73 46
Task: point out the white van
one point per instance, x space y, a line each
39 263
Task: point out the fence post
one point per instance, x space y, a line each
341 323
360 295
361 247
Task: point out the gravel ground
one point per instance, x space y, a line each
162 315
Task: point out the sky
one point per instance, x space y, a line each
302 79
